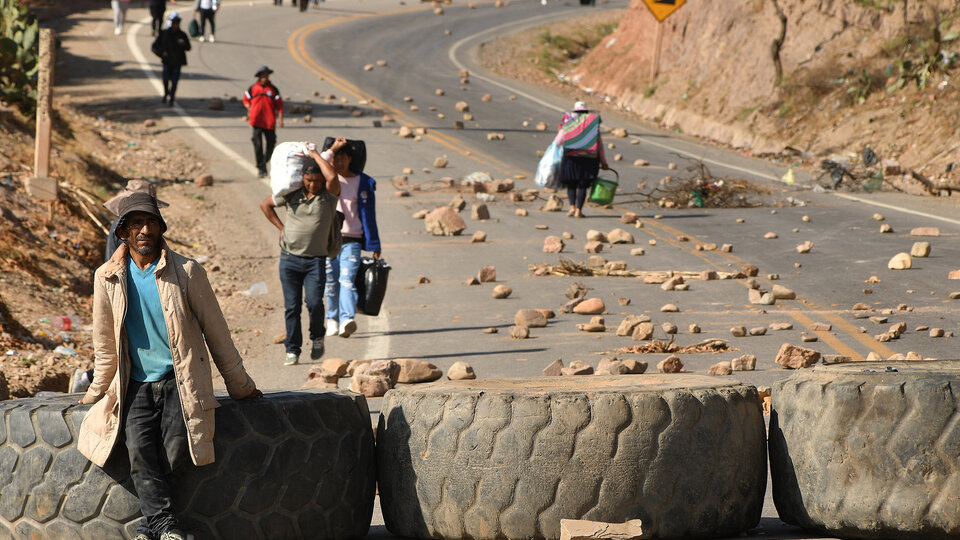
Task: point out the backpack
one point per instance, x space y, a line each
580 135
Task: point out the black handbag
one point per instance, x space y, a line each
371 284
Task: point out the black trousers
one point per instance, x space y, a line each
171 76
207 15
263 151
156 438
156 12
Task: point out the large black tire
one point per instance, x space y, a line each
491 458
290 465
860 452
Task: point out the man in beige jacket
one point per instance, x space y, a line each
154 317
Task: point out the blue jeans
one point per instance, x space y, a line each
341 293
302 280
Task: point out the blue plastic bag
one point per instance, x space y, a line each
549 168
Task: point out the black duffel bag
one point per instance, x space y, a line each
371 284
357 150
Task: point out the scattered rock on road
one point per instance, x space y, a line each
444 221
530 318
501 291
413 370
900 261
720 369
793 357
487 274
747 362
461 371
478 237
553 244
920 249
553 369
590 306
519 332
670 364
925 231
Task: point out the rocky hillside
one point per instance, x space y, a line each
813 78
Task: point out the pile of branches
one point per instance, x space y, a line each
698 188
660 346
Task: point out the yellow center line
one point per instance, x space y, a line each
296 45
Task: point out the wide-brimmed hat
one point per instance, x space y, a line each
580 106
133 186
139 202
262 70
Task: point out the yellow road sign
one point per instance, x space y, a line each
662 9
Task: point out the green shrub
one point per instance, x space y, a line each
19 37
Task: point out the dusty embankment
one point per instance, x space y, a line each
801 80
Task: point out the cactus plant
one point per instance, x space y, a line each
19 33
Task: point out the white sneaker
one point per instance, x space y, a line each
213 38
332 328
292 359
201 39
117 31
348 327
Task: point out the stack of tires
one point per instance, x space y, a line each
291 465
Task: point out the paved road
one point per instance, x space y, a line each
324 50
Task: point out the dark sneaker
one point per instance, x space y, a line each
317 350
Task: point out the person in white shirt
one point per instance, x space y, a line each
206 10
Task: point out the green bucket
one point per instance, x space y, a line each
604 190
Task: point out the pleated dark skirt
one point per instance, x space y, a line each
578 171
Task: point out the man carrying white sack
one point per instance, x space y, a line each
306 239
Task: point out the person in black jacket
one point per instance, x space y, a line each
171 46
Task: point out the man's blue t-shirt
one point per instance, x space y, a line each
149 346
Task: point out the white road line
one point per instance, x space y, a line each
452 55
378 346
157 83
897 208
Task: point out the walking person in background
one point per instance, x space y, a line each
155 316
119 14
358 205
171 46
579 167
265 112
207 11
157 8
304 246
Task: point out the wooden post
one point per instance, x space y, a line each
655 66
41 186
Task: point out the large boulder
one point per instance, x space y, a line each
444 221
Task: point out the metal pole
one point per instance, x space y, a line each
41 186
655 67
